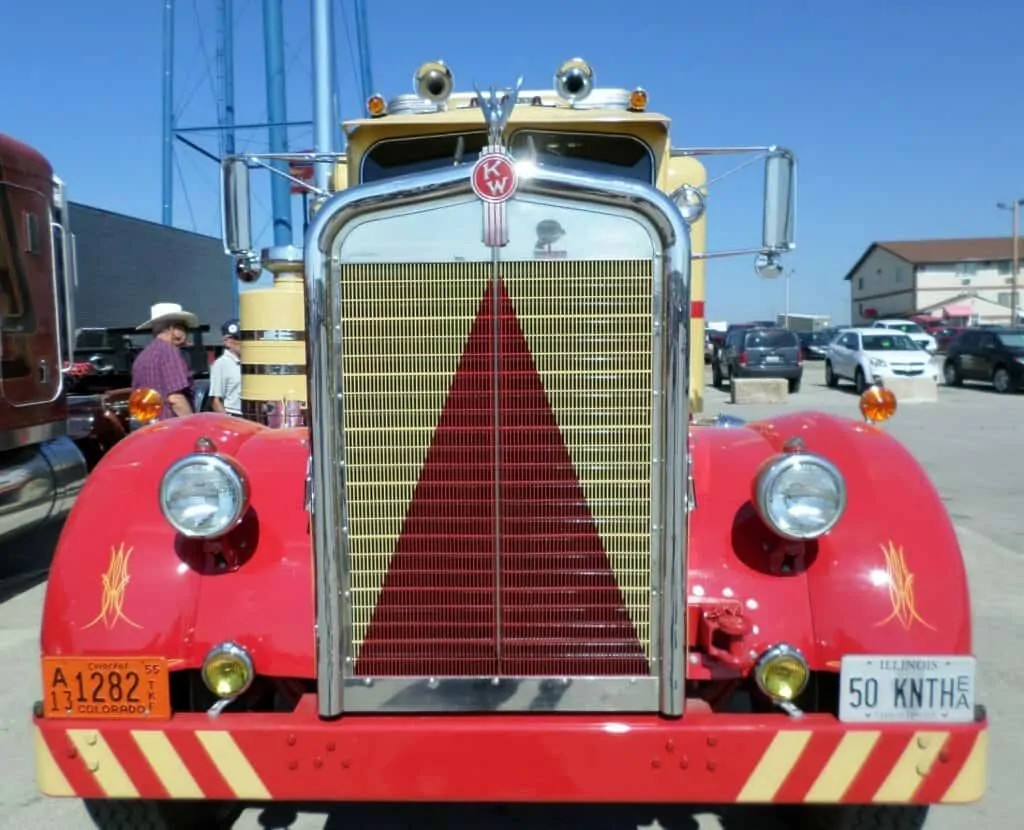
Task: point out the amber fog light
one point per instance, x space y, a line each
228 670
782 673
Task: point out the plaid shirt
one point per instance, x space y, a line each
162 367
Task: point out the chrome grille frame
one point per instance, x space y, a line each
663 691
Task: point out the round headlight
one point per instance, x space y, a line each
690 202
782 673
800 495
203 495
228 670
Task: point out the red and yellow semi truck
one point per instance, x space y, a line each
470 543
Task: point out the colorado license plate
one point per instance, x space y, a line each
106 687
877 689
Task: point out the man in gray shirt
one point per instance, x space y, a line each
226 372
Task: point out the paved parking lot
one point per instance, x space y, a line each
970 444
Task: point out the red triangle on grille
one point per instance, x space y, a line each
560 608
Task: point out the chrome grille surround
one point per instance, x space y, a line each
338 690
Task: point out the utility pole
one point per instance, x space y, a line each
167 167
789 273
1014 302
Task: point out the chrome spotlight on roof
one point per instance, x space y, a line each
574 80
434 81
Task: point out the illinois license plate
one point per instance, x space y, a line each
877 689
106 687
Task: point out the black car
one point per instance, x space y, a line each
991 354
759 353
814 344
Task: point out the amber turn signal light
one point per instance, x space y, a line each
638 100
877 404
144 405
376 106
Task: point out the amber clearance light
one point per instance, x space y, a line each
877 404
144 405
638 100
376 106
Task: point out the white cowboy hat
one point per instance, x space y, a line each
159 312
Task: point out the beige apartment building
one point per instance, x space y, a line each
964 281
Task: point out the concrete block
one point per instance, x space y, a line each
913 390
760 390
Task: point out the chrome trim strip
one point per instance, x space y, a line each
271 335
330 520
273 369
501 694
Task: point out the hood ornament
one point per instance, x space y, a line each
494 177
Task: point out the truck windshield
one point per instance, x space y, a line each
402 156
616 155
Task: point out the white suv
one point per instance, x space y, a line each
874 354
912 330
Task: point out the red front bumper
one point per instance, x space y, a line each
508 758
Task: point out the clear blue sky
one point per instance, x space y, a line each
906 115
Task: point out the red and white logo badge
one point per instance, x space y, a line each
494 177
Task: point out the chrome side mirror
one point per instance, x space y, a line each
768 266
779 200
236 220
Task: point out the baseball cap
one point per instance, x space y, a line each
230 329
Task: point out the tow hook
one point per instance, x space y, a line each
723 630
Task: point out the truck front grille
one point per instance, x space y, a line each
498 442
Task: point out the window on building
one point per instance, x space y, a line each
1005 298
1004 268
860 283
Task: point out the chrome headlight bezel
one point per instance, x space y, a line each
233 472
774 471
232 650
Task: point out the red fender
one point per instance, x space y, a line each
123 583
888 579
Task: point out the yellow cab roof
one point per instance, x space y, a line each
461 115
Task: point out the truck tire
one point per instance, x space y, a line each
865 817
162 815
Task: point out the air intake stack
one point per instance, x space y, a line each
274 343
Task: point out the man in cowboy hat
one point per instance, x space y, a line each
226 372
161 365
